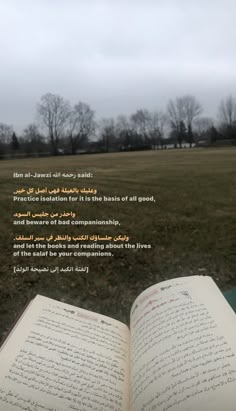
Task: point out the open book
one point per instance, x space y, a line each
179 354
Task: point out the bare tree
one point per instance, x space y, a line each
6 132
227 111
107 133
141 122
32 140
227 116
81 125
191 108
122 123
202 125
53 111
157 123
31 133
175 112
182 111
125 132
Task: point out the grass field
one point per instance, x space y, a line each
191 226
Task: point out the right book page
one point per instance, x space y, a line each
183 348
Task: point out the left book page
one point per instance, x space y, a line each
61 358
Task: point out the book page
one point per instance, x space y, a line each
62 358
183 348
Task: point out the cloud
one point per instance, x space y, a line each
117 56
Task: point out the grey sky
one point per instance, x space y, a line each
116 55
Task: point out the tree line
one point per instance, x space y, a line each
65 129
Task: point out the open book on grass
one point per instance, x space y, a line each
179 354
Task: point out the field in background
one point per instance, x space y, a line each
191 226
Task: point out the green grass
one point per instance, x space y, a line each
191 226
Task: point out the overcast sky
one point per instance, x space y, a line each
116 55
